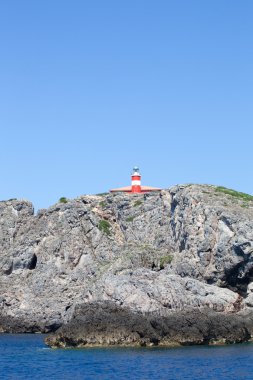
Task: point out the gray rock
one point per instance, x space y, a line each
185 248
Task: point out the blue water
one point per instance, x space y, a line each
26 357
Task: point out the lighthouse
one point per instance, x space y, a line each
136 180
136 186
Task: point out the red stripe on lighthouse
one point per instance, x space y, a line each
136 177
136 184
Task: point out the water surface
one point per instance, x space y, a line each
27 357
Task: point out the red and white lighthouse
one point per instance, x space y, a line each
136 180
136 184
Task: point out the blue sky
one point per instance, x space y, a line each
88 89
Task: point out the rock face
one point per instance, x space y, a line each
149 260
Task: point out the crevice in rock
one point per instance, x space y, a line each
174 204
237 279
33 262
182 244
211 281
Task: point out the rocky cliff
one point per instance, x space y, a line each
169 266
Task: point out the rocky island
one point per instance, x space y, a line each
163 268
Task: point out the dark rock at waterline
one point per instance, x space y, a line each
106 324
16 325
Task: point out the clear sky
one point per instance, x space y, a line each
88 89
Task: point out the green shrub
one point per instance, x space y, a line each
165 260
234 193
137 203
104 226
102 194
102 204
63 200
130 219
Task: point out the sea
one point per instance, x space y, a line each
26 356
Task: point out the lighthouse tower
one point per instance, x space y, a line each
136 180
136 185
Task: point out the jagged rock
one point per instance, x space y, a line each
104 323
188 247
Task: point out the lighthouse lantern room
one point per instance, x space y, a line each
136 184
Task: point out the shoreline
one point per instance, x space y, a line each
169 345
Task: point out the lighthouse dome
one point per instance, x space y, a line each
136 170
